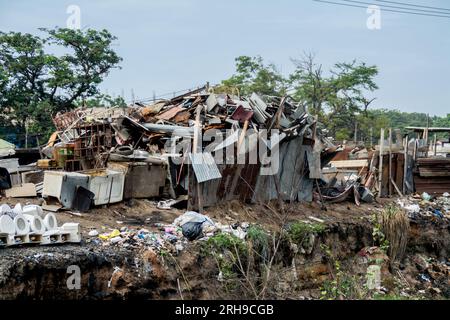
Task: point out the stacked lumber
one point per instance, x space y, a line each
432 175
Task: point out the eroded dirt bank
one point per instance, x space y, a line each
326 258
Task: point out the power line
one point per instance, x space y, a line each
389 10
413 5
397 7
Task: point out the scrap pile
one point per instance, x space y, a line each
349 176
172 237
384 170
224 147
427 207
211 147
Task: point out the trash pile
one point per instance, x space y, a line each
174 237
31 225
425 206
432 275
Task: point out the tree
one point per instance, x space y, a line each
35 84
252 75
337 99
102 100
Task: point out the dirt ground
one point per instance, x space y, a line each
133 214
118 272
144 213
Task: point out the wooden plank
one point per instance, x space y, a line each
385 176
405 163
390 161
22 191
350 163
399 174
380 171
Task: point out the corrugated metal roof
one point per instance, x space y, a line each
204 166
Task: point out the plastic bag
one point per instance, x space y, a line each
192 230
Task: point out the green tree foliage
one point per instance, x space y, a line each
441 121
253 75
343 90
102 100
399 120
35 84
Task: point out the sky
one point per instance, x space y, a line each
173 45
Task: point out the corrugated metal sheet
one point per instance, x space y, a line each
237 183
204 166
166 128
293 175
153 109
244 181
241 114
211 102
170 113
259 107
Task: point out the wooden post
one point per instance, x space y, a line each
435 145
426 135
242 136
415 150
380 171
195 150
405 166
390 161
196 129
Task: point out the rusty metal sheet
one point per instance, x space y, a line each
241 114
244 182
153 109
182 117
65 120
237 183
170 113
